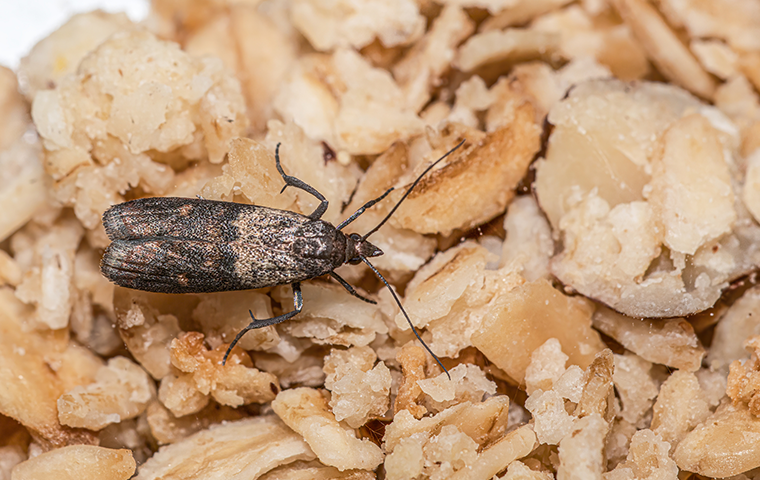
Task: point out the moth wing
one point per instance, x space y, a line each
188 218
170 266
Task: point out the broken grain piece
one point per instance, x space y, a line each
413 360
664 48
668 342
121 390
681 405
524 318
581 451
306 411
236 383
30 387
512 44
59 54
420 70
710 449
78 462
476 183
647 458
344 23
359 388
245 448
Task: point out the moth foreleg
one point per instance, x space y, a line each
362 209
295 182
350 289
297 303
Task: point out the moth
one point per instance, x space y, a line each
187 245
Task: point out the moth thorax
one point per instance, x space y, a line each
356 247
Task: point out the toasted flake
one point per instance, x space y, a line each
306 411
359 388
181 396
512 44
515 445
608 197
681 405
526 317
299 367
519 471
313 470
121 391
468 384
580 452
332 316
635 386
223 315
716 57
145 329
451 294
737 324
47 281
547 364
412 360
22 185
245 448
582 36
448 198
647 458
529 242
735 21
664 48
520 13
356 24
597 396
710 449
618 442
743 381
668 342
31 387
552 422
13 109
421 68
166 428
691 186
261 70
372 114
78 462
59 54
233 384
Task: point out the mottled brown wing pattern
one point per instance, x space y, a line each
174 217
170 265
181 245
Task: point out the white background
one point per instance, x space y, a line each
25 22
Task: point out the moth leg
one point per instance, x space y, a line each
350 289
362 209
297 303
294 182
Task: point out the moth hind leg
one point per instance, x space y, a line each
297 183
256 323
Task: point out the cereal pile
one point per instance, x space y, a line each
583 265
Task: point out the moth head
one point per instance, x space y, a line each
357 248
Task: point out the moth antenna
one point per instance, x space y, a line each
409 190
398 302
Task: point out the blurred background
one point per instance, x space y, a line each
24 23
